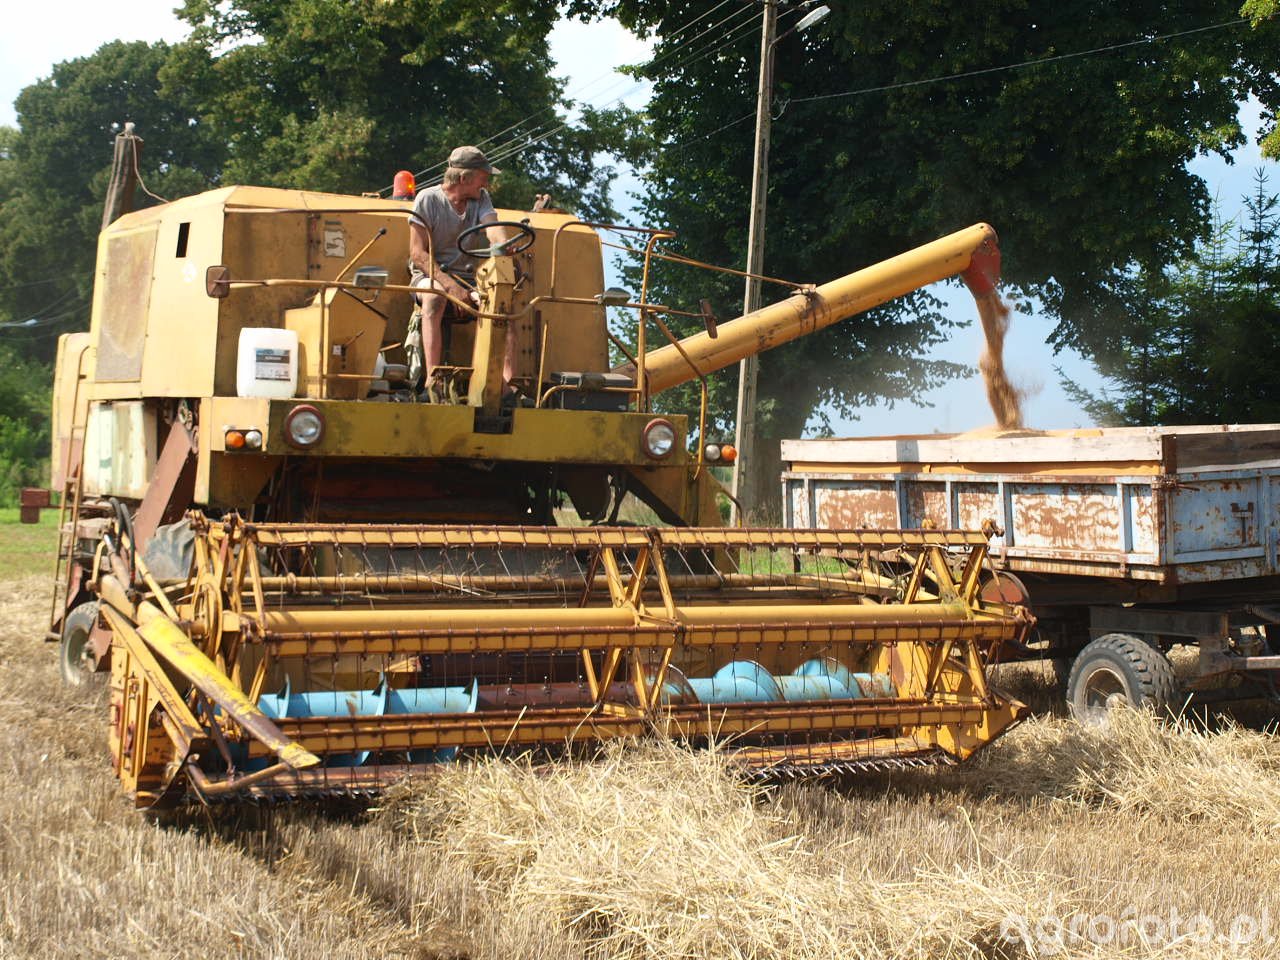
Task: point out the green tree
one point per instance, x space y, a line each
316 94
1258 12
54 171
339 94
1202 338
891 128
24 424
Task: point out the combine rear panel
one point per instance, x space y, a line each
306 660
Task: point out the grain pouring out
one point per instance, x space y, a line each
982 277
1004 397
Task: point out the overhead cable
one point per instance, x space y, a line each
532 138
973 73
536 134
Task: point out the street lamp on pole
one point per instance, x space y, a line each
744 491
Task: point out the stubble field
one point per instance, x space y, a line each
1137 841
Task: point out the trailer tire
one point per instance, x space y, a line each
73 663
1120 669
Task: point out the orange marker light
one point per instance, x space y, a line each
234 440
728 453
403 186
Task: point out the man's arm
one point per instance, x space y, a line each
420 254
496 235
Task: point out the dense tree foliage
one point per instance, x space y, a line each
1067 126
24 423
55 167
320 94
1201 340
890 129
1258 11
338 95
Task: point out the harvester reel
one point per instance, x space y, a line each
528 638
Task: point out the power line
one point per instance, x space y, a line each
590 83
1025 63
75 310
532 138
33 283
537 132
24 333
974 73
56 301
543 132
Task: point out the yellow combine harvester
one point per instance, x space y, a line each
306 580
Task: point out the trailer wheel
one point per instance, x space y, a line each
1120 669
75 661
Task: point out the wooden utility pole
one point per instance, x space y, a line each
745 486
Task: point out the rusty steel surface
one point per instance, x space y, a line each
340 648
1189 526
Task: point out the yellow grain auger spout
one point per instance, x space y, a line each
310 573
973 253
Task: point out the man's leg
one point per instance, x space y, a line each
431 306
432 335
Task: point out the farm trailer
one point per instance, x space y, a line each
1123 542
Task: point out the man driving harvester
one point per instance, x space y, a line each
440 214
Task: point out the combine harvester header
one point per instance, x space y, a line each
315 589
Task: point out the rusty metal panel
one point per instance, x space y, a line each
1067 515
120 449
1142 519
1174 526
854 506
927 501
1219 514
796 502
974 503
124 285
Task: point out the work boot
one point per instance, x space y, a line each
437 388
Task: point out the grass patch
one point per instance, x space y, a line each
27 548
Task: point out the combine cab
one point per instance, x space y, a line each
306 579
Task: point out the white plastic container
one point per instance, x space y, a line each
267 362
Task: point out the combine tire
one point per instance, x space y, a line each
75 662
1120 670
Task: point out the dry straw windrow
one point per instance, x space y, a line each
1138 840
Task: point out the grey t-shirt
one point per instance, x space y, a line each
433 210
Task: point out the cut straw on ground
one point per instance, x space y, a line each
1138 840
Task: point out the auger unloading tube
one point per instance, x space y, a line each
828 304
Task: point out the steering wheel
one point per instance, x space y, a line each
521 242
